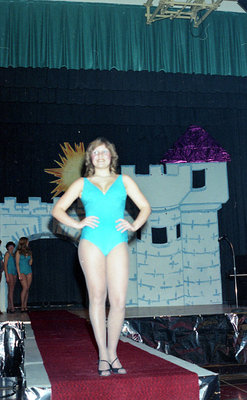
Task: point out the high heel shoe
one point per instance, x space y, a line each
101 372
117 370
9 311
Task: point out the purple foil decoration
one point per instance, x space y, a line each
195 146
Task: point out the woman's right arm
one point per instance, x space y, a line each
59 211
5 265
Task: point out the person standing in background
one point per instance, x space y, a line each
10 274
24 261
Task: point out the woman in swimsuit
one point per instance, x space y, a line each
103 249
24 261
10 274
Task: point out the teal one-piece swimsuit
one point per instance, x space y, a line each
25 267
108 207
11 268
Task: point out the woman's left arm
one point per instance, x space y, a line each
31 259
140 201
17 262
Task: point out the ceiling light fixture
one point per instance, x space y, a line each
194 10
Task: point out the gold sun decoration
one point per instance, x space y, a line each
70 167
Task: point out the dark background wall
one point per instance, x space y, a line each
143 113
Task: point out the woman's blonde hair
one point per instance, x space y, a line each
88 155
23 247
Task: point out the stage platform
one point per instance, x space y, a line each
37 382
141 312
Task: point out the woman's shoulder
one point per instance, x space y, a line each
127 179
75 188
78 184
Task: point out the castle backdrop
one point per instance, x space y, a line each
175 259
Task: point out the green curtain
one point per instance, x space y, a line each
57 34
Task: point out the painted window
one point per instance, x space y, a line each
139 234
198 179
159 235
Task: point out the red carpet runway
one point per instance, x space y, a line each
70 358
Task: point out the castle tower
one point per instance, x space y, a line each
176 260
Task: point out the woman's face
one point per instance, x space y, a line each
11 249
101 157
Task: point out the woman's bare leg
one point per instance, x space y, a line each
24 290
93 265
11 287
29 281
117 268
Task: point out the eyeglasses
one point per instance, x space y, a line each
105 152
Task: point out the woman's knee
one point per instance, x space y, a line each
11 288
24 286
97 297
11 285
118 303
